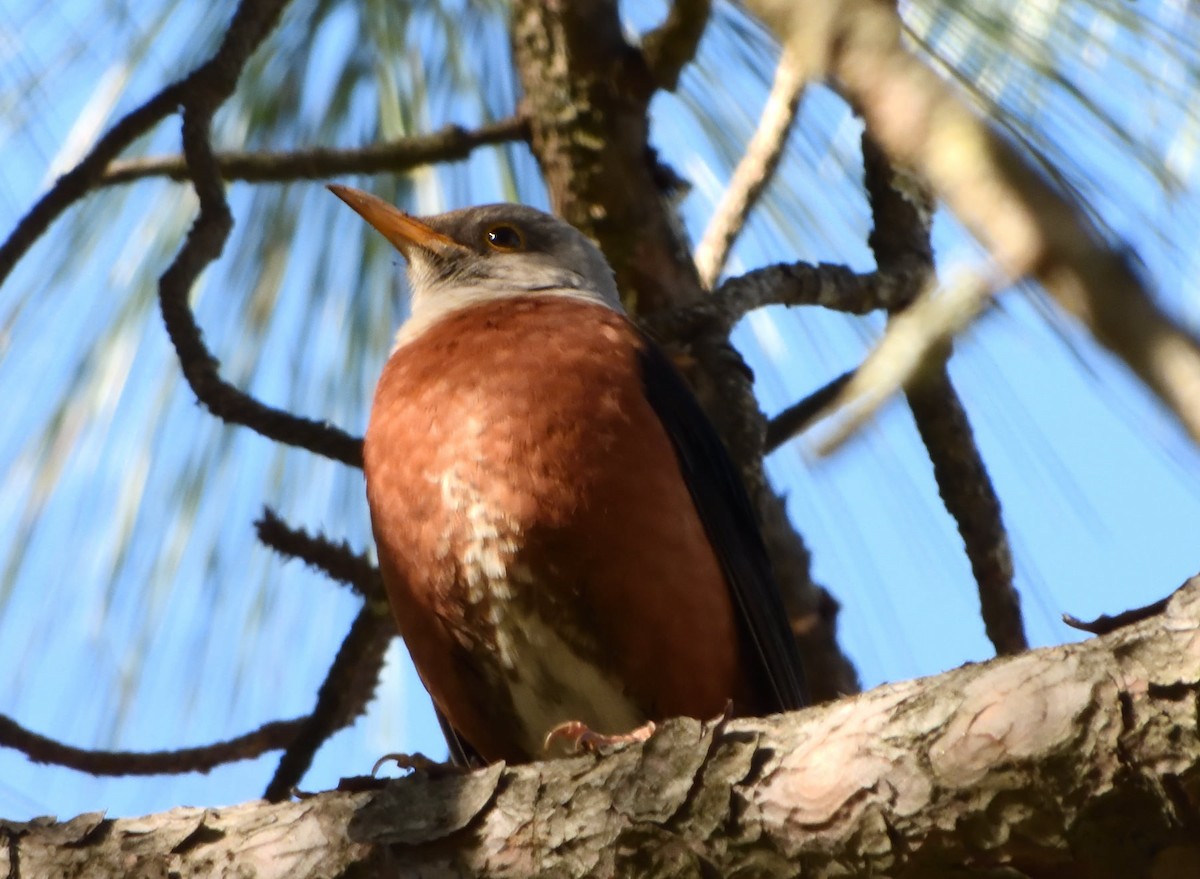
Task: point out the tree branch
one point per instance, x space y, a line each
336 560
76 183
916 341
450 144
201 94
348 688
670 46
795 419
1044 764
753 172
835 287
1029 226
902 207
40 749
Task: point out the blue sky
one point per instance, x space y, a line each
136 610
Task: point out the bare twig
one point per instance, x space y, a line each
1104 623
916 339
251 23
40 749
832 286
348 687
753 172
337 560
1029 226
671 45
449 144
795 419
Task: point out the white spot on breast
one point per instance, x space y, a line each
548 681
486 538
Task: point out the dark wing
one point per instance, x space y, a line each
730 522
461 753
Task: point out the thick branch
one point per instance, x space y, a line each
1029 226
450 144
1081 760
588 92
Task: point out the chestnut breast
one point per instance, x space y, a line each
541 551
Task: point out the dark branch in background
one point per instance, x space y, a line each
967 493
450 144
351 679
670 46
205 90
336 560
349 686
903 211
73 185
793 420
40 749
835 287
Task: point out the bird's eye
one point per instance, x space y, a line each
504 238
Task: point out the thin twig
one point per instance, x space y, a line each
1104 624
40 749
915 340
795 419
753 172
968 495
348 687
670 46
336 560
450 144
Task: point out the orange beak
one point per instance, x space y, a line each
403 230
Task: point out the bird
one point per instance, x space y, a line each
565 543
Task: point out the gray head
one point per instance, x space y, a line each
480 254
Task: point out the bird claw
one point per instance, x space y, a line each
582 738
417 763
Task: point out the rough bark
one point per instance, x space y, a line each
1075 761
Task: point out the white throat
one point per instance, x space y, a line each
430 307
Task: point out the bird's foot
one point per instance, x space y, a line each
581 738
418 763
414 762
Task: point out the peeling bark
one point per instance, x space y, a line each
1074 761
